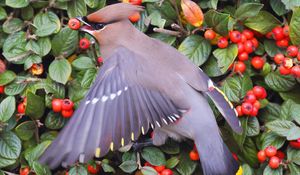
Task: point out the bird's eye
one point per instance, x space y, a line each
99 26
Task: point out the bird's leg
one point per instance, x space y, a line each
137 146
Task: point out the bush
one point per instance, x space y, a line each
240 45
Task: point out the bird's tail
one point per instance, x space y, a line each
225 107
216 159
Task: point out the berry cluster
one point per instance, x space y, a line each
251 104
295 143
161 170
65 106
194 155
273 155
281 35
22 106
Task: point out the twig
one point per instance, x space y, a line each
168 32
174 3
178 28
138 157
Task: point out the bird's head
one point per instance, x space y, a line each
105 19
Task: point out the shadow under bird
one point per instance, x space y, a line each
143 83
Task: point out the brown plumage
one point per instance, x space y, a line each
143 83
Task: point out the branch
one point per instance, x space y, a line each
168 32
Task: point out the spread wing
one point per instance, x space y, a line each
116 110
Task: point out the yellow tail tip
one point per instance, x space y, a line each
240 171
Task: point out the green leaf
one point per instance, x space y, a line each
76 8
247 10
46 24
270 112
40 169
107 168
211 67
14 47
7 108
3 13
280 83
236 87
290 4
171 147
294 133
13 25
247 170
294 169
253 128
83 63
240 138
293 94
172 162
129 156
25 130
156 19
60 71
44 45
269 171
217 21
186 166
169 39
7 77
271 48
17 3
54 121
27 13
211 4
6 162
263 22
295 27
88 78
78 170
293 155
226 56
92 3
10 145
146 170
278 7
154 156
290 110
37 106
196 48
280 127
65 42
270 138
32 59
33 154
129 166
250 152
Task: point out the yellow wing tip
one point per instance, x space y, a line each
97 152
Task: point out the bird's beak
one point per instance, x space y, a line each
86 27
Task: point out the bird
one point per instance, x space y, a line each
143 84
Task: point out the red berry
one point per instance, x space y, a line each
148 164
292 51
167 172
286 31
93 169
243 56
256 104
235 156
250 98
254 112
269 35
240 67
257 62
278 58
67 113
295 144
57 105
210 34
255 42
259 92
194 155
274 162
235 36
247 108
24 171
222 43
2 89
271 151
74 24
278 33
249 47
100 60
282 43
249 34
67 104
21 108
295 71
261 156
135 2
159 169
241 47
84 43
135 17
284 71
280 154
239 110
244 39
298 56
